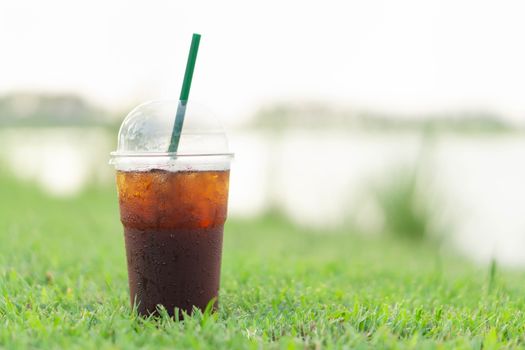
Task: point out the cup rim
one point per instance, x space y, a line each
116 154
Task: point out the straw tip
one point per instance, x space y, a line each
196 35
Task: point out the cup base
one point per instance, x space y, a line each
178 268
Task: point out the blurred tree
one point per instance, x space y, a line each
33 109
316 115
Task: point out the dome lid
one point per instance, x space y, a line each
147 130
146 133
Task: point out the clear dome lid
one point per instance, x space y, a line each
145 135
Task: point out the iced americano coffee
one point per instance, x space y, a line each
173 209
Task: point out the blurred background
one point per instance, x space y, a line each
383 118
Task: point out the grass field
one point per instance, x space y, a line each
63 284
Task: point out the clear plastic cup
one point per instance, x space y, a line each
173 206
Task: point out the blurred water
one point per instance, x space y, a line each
323 178
61 160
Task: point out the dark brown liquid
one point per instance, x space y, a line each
173 227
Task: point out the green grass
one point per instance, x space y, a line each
63 284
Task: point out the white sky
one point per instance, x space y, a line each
402 56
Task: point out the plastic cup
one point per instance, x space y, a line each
173 207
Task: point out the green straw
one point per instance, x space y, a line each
184 94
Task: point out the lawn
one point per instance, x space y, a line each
63 284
